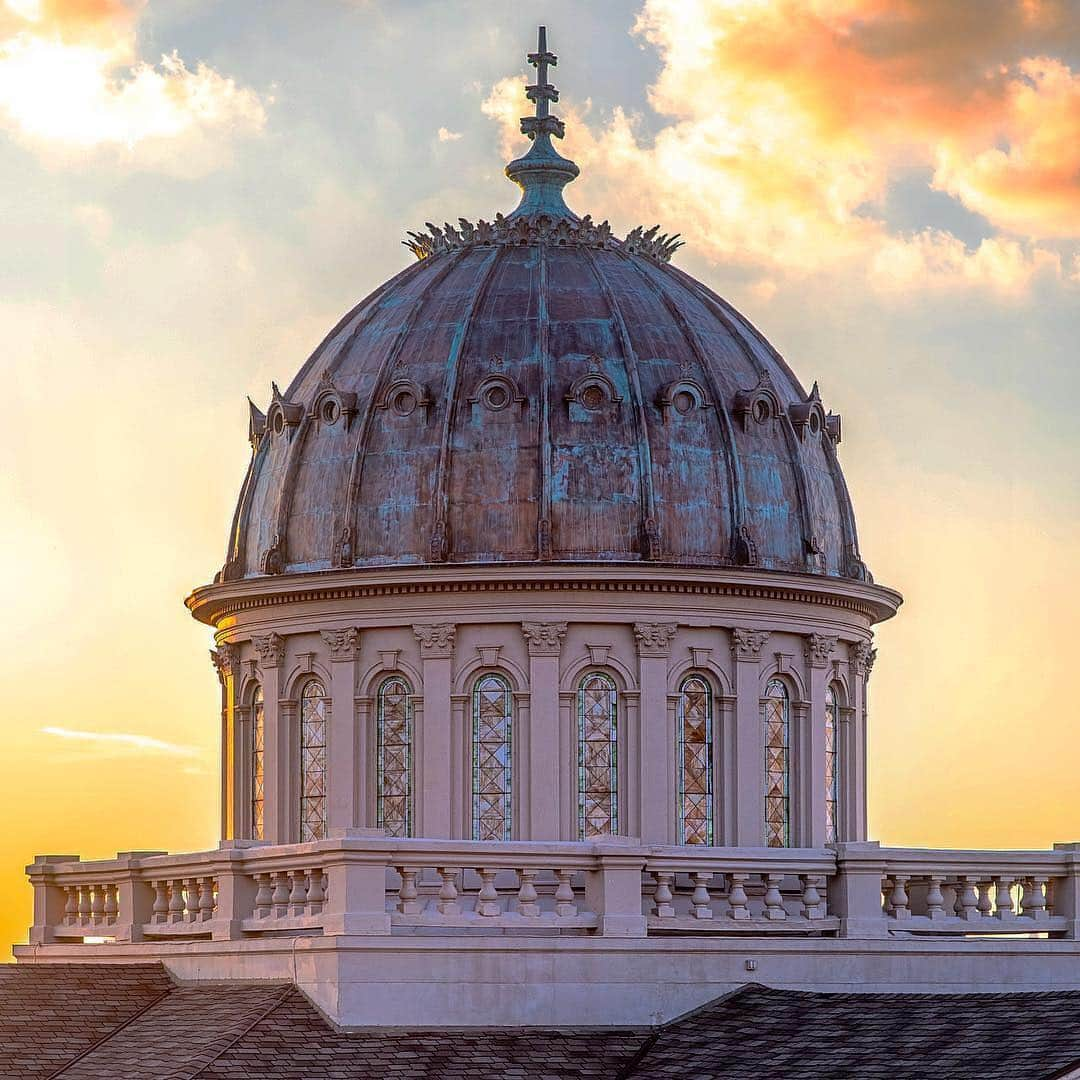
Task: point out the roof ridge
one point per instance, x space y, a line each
115 1031
278 1000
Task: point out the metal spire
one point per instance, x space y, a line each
542 173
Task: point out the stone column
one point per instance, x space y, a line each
226 664
342 772
862 661
433 788
810 826
656 748
270 655
748 772
547 773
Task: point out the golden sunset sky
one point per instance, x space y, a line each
195 191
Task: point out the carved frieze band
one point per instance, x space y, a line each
863 655
343 644
819 649
270 649
544 638
747 644
654 639
436 639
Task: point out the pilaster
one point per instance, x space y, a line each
810 825
548 772
436 754
656 793
748 767
270 655
862 655
342 760
226 662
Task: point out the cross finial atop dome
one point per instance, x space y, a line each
543 172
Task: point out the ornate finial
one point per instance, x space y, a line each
542 173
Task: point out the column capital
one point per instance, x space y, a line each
654 638
226 660
746 645
818 649
544 638
436 639
863 655
270 649
343 644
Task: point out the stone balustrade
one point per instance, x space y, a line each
364 883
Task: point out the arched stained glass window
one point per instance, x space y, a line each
313 761
695 761
394 736
832 766
258 750
491 758
776 721
598 800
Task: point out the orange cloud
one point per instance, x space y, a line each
786 123
70 83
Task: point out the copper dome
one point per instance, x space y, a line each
534 389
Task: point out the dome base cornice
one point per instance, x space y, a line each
213 604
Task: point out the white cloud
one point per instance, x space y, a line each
446 135
113 741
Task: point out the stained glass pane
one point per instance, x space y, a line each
776 721
695 761
832 767
258 747
598 805
491 759
394 720
313 761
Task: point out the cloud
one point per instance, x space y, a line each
71 84
785 127
446 135
118 741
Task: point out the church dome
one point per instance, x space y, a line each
535 389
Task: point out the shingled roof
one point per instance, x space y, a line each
86 1022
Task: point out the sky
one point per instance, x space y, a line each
192 192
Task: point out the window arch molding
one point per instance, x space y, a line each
625 678
299 676
492 739
718 678
475 668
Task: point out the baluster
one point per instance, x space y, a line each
487 899
191 899
967 900
111 905
84 903
97 903
564 895
1035 907
161 901
264 895
71 904
700 899
527 899
1003 899
740 908
813 906
898 901
176 900
985 904
407 903
316 894
934 900
774 902
886 893
280 895
298 892
665 908
448 891
206 899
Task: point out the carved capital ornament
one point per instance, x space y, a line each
654 639
270 649
343 644
747 644
544 639
436 639
819 649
